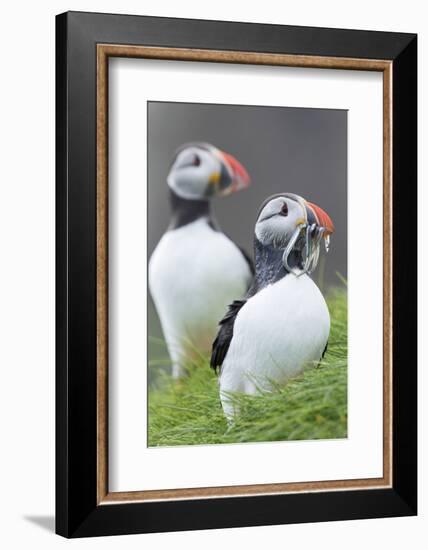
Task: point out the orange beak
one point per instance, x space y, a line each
322 218
240 177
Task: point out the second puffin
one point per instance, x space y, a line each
196 270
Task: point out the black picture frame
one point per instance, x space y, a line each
78 513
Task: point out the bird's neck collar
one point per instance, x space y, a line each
185 211
269 263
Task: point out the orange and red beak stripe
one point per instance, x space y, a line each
323 218
241 179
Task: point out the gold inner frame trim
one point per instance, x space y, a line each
104 51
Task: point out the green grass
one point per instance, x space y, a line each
312 406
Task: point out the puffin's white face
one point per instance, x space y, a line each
290 223
278 219
200 171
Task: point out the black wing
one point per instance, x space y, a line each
224 336
324 352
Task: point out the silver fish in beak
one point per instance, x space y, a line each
314 226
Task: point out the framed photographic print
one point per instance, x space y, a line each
236 274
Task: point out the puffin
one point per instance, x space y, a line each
196 270
282 325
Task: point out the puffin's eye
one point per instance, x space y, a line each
284 210
196 161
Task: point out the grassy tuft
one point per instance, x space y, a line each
312 406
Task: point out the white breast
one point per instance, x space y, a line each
278 332
194 274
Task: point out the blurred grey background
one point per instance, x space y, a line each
298 150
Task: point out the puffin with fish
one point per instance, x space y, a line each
196 270
282 325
